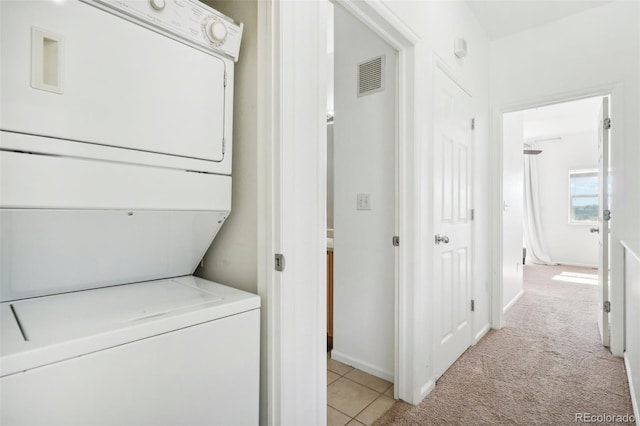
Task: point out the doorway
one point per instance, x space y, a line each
361 215
555 197
361 220
292 222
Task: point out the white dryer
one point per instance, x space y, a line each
115 176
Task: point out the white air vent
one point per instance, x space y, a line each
371 76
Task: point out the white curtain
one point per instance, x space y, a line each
533 233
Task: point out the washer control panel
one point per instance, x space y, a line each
190 20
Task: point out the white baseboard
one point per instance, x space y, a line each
632 391
424 391
513 301
579 265
361 365
484 330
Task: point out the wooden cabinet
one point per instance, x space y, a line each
329 300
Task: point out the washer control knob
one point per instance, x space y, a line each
157 4
216 31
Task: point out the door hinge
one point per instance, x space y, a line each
473 305
225 79
473 214
607 123
279 262
606 306
396 241
606 214
473 124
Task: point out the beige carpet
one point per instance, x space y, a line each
545 366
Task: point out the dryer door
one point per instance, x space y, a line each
79 73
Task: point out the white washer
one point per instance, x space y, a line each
181 351
115 176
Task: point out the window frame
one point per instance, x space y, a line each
570 197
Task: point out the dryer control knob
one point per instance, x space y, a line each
157 4
216 31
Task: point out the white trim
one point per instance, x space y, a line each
632 391
377 16
631 248
484 330
426 389
496 213
444 67
571 263
293 360
513 301
616 92
362 365
269 363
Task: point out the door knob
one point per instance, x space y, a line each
595 230
442 239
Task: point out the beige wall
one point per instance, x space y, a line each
232 257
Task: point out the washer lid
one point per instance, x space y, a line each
74 315
44 330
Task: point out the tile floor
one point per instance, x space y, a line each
355 397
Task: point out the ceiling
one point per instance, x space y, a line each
562 119
500 18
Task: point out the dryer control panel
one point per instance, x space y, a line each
189 20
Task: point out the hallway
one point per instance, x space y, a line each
546 366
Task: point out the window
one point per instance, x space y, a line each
583 196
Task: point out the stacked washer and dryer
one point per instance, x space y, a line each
115 176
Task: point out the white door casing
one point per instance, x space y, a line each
617 169
452 222
603 220
412 379
291 205
283 33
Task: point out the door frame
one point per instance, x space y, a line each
383 23
390 202
287 398
615 91
292 363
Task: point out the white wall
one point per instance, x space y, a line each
586 52
438 24
232 257
364 162
512 212
632 343
568 244
435 25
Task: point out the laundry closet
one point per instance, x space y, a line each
116 175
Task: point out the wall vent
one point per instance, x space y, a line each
371 76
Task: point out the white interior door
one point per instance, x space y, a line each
603 221
452 222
